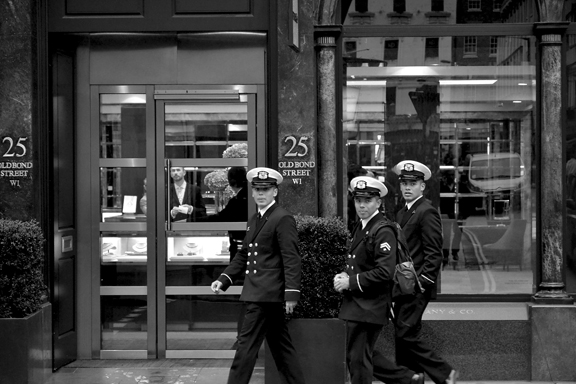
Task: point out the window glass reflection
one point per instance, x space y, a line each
464 107
122 125
446 12
570 231
204 130
124 322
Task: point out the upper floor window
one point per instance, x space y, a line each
431 51
361 6
470 46
399 6
391 50
493 45
497 6
437 6
474 5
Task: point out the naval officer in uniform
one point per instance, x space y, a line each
367 289
422 227
270 261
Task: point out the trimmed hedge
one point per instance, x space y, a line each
323 247
21 268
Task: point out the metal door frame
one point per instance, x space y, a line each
155 227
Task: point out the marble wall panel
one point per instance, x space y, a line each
297 139
17 165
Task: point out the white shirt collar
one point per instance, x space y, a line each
410 204
365 221
263 211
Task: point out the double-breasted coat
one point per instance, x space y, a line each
369 297
269 259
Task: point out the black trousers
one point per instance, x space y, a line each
265 321
364 362
411 350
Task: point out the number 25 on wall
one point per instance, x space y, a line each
15 150
298 148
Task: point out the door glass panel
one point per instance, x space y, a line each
205 130
208 190
122 125
122 194
124 322
123 261
196 258
206 144
202 322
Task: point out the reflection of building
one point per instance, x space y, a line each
421 79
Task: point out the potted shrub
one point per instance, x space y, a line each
25 319
318 335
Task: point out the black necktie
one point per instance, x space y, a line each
403 213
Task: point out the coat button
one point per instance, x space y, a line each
255 271
249 253
354 256
247 263
255 253
352 267
250 245
254 261
255 244
247 271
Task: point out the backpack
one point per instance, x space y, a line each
405 276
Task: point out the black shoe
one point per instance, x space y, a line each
418 378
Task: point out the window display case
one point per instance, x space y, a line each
193 249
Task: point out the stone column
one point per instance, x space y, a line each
327 132
552 167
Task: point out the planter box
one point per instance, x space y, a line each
321 346
26 352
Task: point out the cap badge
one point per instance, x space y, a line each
361 184
263 175
409 167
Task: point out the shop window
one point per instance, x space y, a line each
473 126
570 229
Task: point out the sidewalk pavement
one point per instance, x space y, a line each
178 371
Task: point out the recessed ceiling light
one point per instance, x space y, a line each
468 82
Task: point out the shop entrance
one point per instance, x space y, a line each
163 155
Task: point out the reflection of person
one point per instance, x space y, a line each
367 289
185 198
270 262
422 227
143 200
236 209
447 207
